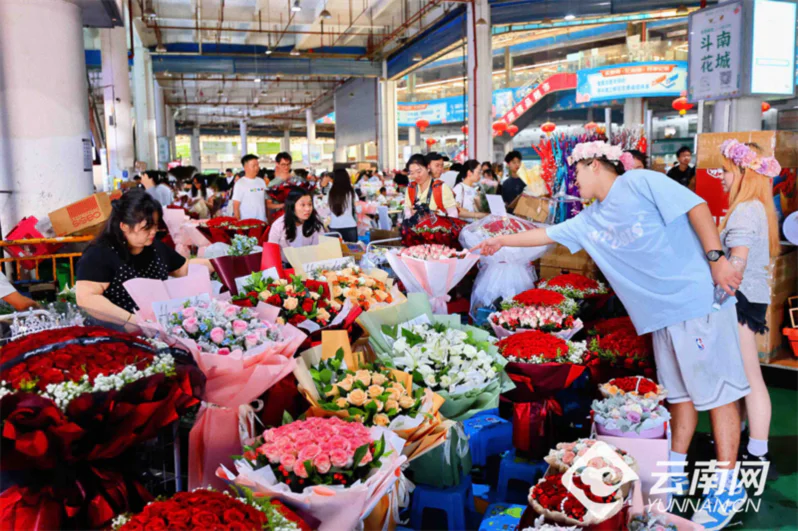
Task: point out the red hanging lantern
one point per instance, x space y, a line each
499 127
548 127
682 105
431 142
464 129
422 125
591 126
512 130
765 106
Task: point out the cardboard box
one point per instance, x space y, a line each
532 208
560 261
82 215
783 285
379 234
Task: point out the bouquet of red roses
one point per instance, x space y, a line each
574 286
223 228
72 401
615 344
206 509
635 386
552 499
542 297
432 228
550 381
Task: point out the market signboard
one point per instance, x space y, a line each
633 80
716 49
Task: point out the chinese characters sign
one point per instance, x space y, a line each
638 80
716 39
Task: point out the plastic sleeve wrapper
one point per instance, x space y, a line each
335 507
229 268
506 273
326 249
658 508
458 406
436 278
232 381
184 233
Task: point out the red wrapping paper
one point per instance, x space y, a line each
229 268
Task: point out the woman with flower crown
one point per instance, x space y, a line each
657 244
750 233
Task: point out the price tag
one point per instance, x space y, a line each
496 204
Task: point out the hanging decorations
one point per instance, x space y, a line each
431 142
499 127
548 127
765 106
422 125
464 129
512 130
682 105
590 126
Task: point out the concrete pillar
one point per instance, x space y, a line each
412 138
242 126
360 152
508 67
508 147
171 132
480 86
741 114
196 149
389 132
162 140
633 112
411 86
45 140
143 100
117 102
311 127
340 154
285 143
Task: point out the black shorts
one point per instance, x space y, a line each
751 314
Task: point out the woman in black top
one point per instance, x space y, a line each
126 249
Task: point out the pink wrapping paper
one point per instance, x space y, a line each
651 433
184 233
336 508
433 277
232 381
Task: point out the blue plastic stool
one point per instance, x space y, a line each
366 238
454 501
488 434
482 316
520 469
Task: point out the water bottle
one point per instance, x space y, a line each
720 294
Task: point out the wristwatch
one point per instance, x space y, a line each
714 256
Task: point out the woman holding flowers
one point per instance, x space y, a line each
658 246
466 191
300 226
126 249
750 233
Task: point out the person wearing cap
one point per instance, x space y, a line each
435 163
249 193
425 190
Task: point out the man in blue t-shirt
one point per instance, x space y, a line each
658 246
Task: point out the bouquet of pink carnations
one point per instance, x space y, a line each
544 318
431 252
326 469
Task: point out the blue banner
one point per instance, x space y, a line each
633 80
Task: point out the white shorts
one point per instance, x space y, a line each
700 361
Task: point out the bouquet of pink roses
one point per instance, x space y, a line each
326 469
543 318
431 269
240 350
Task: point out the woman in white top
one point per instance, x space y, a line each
300 226
199 199
343 209
466 193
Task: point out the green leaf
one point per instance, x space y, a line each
413 339
371 407
287 418
326 375
384 396
360 453
356 411
308 467
315 374
391 412
390 331
379 449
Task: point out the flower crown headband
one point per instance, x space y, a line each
745 157
592 150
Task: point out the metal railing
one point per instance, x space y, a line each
39 259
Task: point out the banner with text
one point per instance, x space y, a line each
636 80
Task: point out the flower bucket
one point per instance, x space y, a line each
657 432
792 335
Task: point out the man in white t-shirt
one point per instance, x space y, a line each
249 193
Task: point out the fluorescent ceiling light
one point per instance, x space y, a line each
569 17
296 7
326 15
257 80
268 51
294 52
417 57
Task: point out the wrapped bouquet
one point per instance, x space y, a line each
184 232
425 227
431 269
243 256
536 347
564 455
507 272
624 416
618 351
635 387
330 471
574 286
73 400
544 318
223 228
207 509
368 290
542 297
552 499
